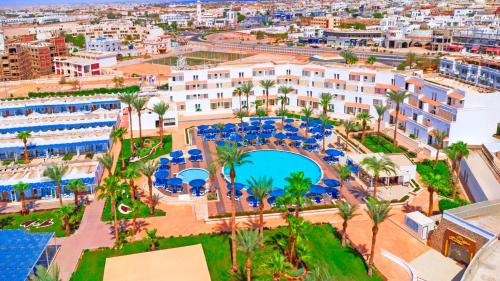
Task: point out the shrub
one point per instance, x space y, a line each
67 157
446 204
130 89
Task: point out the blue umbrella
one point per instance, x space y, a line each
328 126
268 127
354 169
310 140
163 167
237 186
316 130
317 189
333 192
291 129
220 143
194 151
164 161
174 181
255 123
197 183
251 128
176 154
277 192
253 201
236 138
161 174
243 124
269 122
202 127
250 136
289 120
229 125
295 137
280 136
265 135
237 194
334 152
331 182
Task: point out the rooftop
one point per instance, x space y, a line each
455 84
485 215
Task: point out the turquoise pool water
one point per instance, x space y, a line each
188 175
276 164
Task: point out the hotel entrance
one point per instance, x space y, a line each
458 247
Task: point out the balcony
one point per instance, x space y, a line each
413 102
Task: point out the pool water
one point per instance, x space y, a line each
276 164
188 175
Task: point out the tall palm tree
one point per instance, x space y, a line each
377 166
160 108
282 112
398 98
411 59
76 186
237 92
139 105
110 190
307 112
346 212
364 117
21 187
349 127
148 169
246 88
325 101
381 110
324 121
134 210
24 135
56 173
118 134
378 211
297 186
131 174
258 104
439 136
248 242
260 189
65 212
240 114
284 90
344 173
128 98
231 156
452 154
261 113
434 182
44 274
462 152
107 161
212 175
267 84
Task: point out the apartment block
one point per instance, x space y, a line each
15 63
477 74
42 54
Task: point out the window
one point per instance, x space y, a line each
241 74
288 72
195 77
414 117
420 105
197 107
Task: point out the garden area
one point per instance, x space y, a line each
383 145
323 245
42 221
426 167
130 89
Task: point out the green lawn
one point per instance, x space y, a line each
342 263
427 166
334 122
107 214
382 145
14 221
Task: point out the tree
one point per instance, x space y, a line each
238 92
110 190
284 90
152 238
349 127
148 169
439 137
324 121
462 151
56 173
282 112
267 84
230 156
318 274
212 174
160 108
378 15
434 182
246 88
240 114
76 185
364 117
325 101
118 81
261 113
107 161
398 98
248 242
297 186
307 112
65 212
139 105
134 210
346 212
377 166
371 59
131 173
452 156
44 274
411 59
24 135
128 98
118 134
21 187
260 189
344 173
277 266
378 211
349 57
380 109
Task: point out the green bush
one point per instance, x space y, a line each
67 157
130 89
446 204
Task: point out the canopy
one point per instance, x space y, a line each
317 189
176 154
334 152
236 138
197 183
310 140
220 143
269 122
194 151
229 125
174 181
289 120
295 137
250 136
161 174
291 129
280 136
164 161
268 127
331 182
163 167
202 127
265 135
237 186
277 192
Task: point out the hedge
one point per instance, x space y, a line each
446 204
129 89
274 211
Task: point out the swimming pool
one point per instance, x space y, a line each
276 164
188 175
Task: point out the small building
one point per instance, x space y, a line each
83 64
102 44
420 224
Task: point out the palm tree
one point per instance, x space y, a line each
139 105
297 186
148 169
76 186
21 187
378 166
65 212
346 212
131 173
462 152
260 189
24 135
325 101
282 112
118 134
318 274
246 88
378 211
110 190
364 117
324 121
372 59
411 59
56 173
248 242
307 112
152 238
134 210
349 127
128 98
107 161
380 109
398 98
277 266
434 182
160 108
240 114
439 136
284 90
452 156
344 173
261 113
118 81
231 156
267 84
212 174
44 274
237 92
258 104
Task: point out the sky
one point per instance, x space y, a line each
11 3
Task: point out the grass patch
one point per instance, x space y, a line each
14 221
382 145
342 263
333 122
427 166
107 214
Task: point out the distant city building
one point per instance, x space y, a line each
477 74
83 64
15 63
158 44
102 44
179 19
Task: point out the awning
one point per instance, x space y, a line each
357 105
455 95
475 48
430 101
